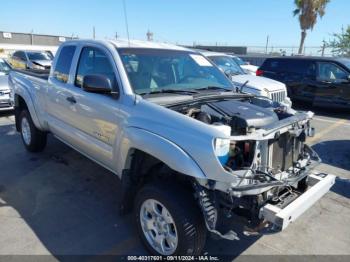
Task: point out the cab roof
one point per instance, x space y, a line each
124 43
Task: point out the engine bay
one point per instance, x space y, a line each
242 117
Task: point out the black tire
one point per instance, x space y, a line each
37 141
185 212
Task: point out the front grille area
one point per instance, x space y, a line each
4 92
5 104
278 96
284 151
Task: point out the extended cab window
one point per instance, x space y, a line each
94 62
64 62
331 72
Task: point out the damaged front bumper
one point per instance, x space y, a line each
281 215
272 216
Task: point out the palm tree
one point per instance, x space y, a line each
308 11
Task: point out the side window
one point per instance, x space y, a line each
275 65
331 72
64 62
310 70
94 62
22 56
19 55
302 67
15 55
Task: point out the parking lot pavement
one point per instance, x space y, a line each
59 202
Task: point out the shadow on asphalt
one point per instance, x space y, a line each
342 187
6 113
334 152
71 204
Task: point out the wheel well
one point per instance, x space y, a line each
20 104
143 168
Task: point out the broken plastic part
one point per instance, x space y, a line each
230 235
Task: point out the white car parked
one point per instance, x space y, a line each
5 93
252 84
248 68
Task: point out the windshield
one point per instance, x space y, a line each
238 60
39 56
152 70
4 67
227 63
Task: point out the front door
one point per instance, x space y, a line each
88 121
333 86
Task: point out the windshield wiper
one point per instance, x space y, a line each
170 91
214 88
240 89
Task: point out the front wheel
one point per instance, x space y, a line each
168 221
33 139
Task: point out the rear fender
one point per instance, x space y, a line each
24 94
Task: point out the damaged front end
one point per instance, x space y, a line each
273 169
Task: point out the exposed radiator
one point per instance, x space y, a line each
284 151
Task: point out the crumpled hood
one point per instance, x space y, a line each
258 82
42 62
4 85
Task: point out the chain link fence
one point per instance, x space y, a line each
289 50
262 49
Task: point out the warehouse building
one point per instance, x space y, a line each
9 42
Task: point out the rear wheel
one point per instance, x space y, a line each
33 139
168 221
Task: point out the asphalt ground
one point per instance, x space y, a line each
60 203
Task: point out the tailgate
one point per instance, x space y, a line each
319 185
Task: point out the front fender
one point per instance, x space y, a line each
159 147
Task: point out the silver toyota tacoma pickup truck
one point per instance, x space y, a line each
192 153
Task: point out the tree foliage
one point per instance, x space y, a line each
340 43
308 11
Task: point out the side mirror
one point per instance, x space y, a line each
97 84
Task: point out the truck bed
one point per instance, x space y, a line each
42 74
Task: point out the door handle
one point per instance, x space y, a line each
71 99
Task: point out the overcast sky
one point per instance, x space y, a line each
237 22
